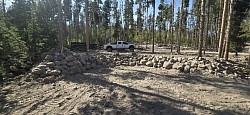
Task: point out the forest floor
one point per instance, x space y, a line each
128 90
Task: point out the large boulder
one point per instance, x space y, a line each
167 65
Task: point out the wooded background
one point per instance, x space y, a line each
30 27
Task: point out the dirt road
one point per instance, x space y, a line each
129 90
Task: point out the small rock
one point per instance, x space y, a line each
176 65
110 112
132 63
186 69
149 64
54 72
9 75
50 64
49 58
143 62
69 58
38 71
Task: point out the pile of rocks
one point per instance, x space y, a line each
218 67
70 63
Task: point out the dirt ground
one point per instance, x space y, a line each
129 90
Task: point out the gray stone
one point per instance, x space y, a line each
176 65
49 58
112 65
54 72
132 63
63 62
70 64
143 62
42 66
186 69
38 71
98 66
69 58
60 68
179 59
83 69
194 64
74 69
99 61
50 64
93 65
155 60
202 66
9 75
65 72
159 65
149 64
180 67
88 67
167 65
58 63
110 112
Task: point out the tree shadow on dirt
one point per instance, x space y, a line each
6 105
141 104
240 85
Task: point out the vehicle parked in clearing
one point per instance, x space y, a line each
119 45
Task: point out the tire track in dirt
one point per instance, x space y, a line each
36 103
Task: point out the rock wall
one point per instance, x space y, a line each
70 63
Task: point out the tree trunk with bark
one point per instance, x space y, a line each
87 25
207 27
60 25
153 28
222 30
172 26
180 29
229 26
201 28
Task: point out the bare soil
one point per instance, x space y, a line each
129 90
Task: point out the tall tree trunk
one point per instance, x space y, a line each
172 26
60 24
153 45
207 27
201 28
229 26
147 25
87 25
180 29
222 31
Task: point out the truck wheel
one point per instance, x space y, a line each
131 49
109 49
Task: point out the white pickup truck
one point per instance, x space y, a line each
119 45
